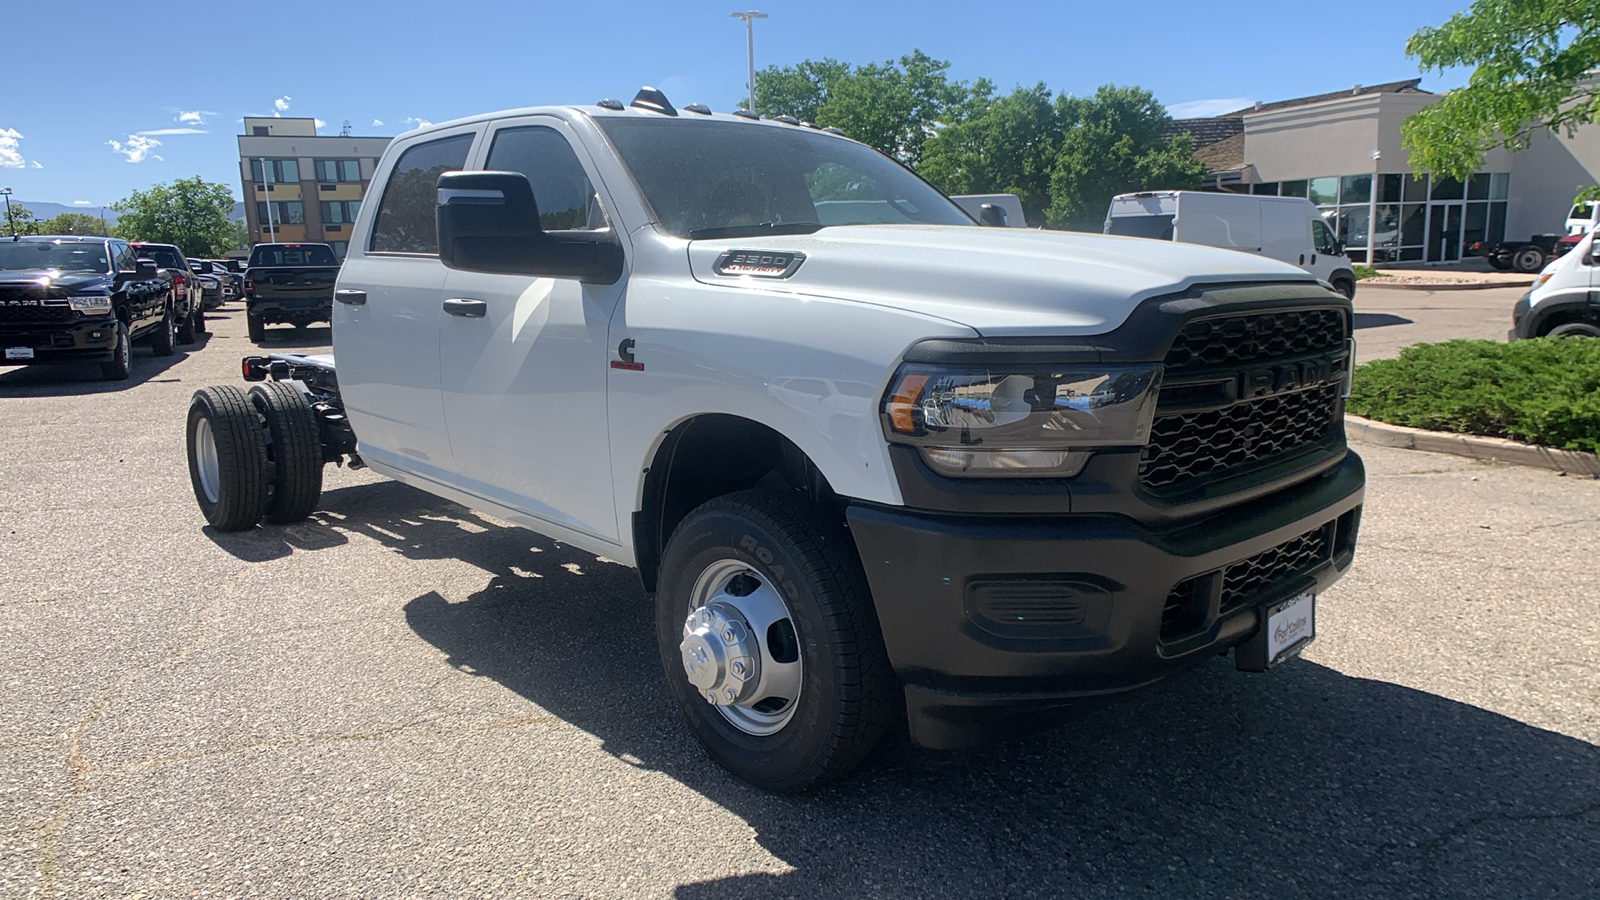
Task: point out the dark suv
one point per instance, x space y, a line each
187 298
67 299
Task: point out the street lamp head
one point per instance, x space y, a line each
747 16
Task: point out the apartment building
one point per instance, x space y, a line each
302 186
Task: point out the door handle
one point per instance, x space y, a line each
469 309
352 298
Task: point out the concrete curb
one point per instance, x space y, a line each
1452 286
1471 446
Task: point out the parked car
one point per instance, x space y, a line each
233 281
288 284
970 475
1562 302
188 301
82 299
210 283
1288 229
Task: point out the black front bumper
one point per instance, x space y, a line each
994 621
87 340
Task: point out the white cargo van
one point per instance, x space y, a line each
1564 300
1583 217
1288 229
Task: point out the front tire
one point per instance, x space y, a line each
227 458
781 577
1528 259
1345 287
294 451
121 365
164 341
1574 329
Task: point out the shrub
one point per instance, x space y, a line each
1544 391
1365 272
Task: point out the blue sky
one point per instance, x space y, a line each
93 125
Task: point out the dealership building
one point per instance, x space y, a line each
302 186
1342 151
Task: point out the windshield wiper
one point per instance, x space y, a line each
765 228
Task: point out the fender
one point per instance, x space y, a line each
1582 300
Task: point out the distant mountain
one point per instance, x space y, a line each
43 211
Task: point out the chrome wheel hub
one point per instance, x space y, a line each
739 649
206 463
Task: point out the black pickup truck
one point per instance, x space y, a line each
81 299
289 284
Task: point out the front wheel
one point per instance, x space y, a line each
1528 259
164 341
1346 287
770 641
1575 329
121 365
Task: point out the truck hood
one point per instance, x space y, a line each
55 278
996 281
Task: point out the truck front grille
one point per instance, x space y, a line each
1247 581
1190 446
23 303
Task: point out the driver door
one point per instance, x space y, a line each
523 359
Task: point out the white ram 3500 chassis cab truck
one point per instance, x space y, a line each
869 459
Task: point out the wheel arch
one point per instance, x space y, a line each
1559 310
707 456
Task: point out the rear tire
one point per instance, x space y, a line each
294 451
121 365
186 333
200 322
844 694
1528 258
1497 264
227 458
258 331
1574 329
164 340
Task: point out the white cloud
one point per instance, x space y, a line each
36 164
1205 109
417 123
164 131
320 123
282 103
193 116
376 122
137 149
82 203
10 149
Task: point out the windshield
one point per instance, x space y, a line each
165 257
726 179
1158 227
68 256
292 255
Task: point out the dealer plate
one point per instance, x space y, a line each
19 353
1291 625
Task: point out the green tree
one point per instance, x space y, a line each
1530 62
1008 145
893 107
73 223
190 212
1114 143
20 220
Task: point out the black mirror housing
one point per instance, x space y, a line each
992 216
489 222
147 269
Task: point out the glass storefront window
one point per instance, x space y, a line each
1478 186
1416 190
1497 223
1292 189
1447 189
1352 228
1386 232
1389 188
1324 191
1355 189
1477 219
1269 189
1413 222
1499 185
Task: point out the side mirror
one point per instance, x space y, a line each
992 216
489 222
1338 248
146 270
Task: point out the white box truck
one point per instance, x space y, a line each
1288 229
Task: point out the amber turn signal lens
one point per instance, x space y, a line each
903 401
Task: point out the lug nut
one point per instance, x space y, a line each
738 667
731 694
711 697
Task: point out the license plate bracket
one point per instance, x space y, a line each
1286 627
19 353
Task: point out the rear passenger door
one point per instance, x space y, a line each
524 376
387 345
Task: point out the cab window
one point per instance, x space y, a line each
405 219
566 198
1322 237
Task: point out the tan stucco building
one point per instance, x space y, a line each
313 183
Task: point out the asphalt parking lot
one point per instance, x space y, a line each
401 697
1389 318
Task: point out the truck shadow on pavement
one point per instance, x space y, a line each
1378 320
75 379
1302 783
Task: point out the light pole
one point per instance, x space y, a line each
6 192
750 47
1372 206
103 227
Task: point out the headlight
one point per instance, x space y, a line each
1019 421
89 303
